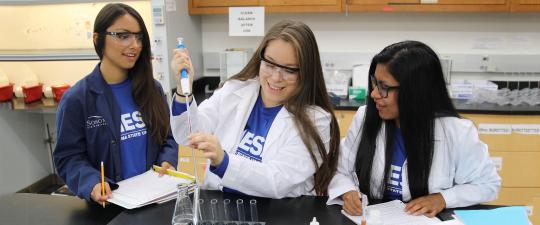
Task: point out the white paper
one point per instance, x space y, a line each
393 213
451 222
492 128
246 21
144 189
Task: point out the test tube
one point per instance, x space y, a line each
226 203
214 210
202 211
240 209
253 208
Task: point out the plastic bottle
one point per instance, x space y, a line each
184 77
314 221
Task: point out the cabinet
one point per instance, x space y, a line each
427 6
186 163
271 6
517 157
344 119
525 6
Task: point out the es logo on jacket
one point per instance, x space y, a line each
251 146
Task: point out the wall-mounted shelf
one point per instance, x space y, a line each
48 55
45 105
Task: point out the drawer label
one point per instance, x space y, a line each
492 128
529 129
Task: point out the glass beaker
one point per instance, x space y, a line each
183 209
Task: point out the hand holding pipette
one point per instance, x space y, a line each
182 69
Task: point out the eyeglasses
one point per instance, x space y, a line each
126 38
287 73
383 89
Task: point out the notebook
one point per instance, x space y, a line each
147 188
393 213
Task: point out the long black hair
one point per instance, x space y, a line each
146 94
422 98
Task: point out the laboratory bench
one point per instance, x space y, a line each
25 208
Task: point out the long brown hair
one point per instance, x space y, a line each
311 91
146 94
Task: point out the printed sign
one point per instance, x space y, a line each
246 21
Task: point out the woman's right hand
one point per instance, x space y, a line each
96 193
352 203
181 60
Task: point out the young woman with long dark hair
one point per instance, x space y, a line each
409 143
117 114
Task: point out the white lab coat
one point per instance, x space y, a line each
461 169
286 169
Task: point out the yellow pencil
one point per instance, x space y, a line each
102 182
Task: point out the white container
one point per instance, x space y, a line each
360 75
232 62
463 89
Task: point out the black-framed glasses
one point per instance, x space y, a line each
383 89
126 38
269 67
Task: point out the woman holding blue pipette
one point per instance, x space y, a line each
409 143
269 131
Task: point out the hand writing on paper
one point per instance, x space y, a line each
96 193
352 203
209 144
428 205
164 167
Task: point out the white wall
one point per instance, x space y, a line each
370 32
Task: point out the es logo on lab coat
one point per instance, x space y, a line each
251 146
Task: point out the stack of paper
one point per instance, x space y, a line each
515 215
147 188
393 213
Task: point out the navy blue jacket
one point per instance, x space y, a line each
88 125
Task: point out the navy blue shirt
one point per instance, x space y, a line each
394 188
132 131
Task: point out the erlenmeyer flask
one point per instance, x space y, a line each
183 210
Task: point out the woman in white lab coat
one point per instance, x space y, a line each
409 143
270 130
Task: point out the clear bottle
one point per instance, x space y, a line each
183 210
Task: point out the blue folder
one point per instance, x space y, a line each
514 215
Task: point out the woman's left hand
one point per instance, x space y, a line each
164 166
428 205
209 144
